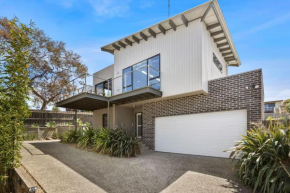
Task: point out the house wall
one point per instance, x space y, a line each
228 93
105 73
209 69
124 118
180 63
98 117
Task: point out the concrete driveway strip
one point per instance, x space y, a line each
53 175
201 183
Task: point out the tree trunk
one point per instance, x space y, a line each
44 103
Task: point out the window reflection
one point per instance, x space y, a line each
104 88
142 74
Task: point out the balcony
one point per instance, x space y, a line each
90 92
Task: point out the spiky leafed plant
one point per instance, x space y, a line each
102 140
86 138
71 136
263 161
116 142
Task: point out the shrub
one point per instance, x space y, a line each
34 125
116 142
86 138
29 136
263 158
51 124
71 136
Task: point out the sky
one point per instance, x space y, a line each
260 30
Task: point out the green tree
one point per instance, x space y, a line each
14 92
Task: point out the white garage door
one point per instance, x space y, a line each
207 134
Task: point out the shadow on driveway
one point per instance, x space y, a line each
151 172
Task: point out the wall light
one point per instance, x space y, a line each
252 87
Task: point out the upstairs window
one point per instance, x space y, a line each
142 74
104 88
217 63
127 79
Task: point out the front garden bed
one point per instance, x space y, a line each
113 142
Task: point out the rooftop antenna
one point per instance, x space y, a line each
168 8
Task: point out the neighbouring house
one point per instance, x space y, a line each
169 85
273 106
273 109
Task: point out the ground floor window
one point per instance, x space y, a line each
105 120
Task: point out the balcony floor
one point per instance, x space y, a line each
91 102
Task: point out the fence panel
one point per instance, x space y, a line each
61 118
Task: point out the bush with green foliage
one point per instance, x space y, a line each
29 136
71 136
34 125
51 124
14 93
263 161
86 137
116 142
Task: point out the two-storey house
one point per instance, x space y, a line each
169 85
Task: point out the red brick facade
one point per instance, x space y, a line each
228 93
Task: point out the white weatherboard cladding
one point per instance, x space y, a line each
105 73
209 69
207 134
180 56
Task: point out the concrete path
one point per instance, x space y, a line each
64 168
52 175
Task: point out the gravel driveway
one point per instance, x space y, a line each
150 172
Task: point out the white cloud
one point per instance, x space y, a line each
266 25
110 8
146 4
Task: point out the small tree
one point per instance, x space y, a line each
14 91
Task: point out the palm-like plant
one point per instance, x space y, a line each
103 140
86 137
263 158
71 136
116 142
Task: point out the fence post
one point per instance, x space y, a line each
38 132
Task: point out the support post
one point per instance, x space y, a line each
108 117
76 117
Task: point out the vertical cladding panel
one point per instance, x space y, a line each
105 73
180 57
208 48
224 94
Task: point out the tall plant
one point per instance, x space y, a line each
14 81
263 160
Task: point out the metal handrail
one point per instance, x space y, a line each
90 88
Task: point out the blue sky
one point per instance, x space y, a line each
259 28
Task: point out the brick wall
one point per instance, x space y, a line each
228 93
